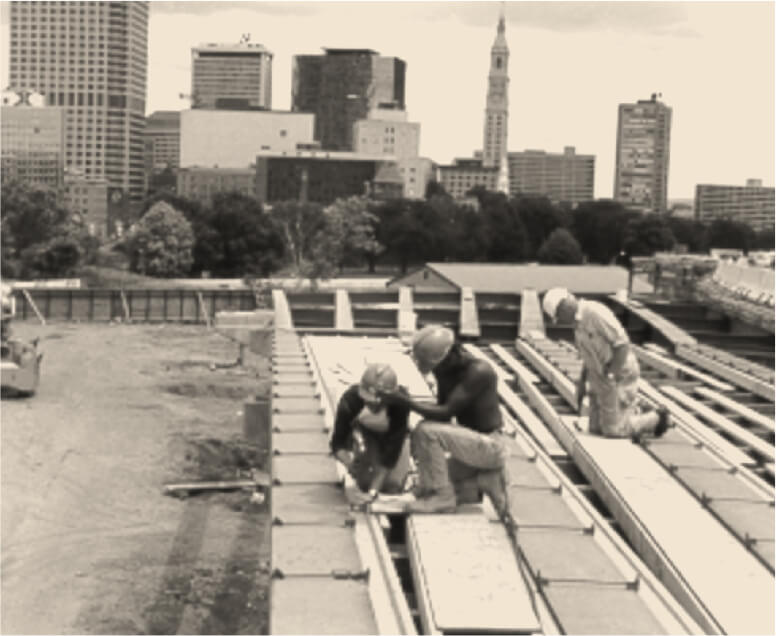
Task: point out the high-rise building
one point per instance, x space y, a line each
643 149
494 145
89 199
752 204
341 87
91 59
465 174
561 177
231 76
32 141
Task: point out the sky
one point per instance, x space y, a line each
570 65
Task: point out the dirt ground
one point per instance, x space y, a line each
89 543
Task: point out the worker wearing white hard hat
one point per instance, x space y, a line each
369 436
465 424
609 366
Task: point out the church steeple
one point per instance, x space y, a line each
494 148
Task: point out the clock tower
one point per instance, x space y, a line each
494 150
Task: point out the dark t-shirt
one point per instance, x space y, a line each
389 444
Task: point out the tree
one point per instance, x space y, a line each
434 188
726 233
599 227
560 248
300 225
38 236
688 232
161 242
645 235
506 234
349 236
403 228
764 239
540 218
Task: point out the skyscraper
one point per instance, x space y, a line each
231 76
341 87
643 148
494 145
561 177
91 59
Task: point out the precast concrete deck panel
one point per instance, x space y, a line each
314 550
321 606
300 443
298 422
297 405
315 504
304 469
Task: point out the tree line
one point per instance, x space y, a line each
236 236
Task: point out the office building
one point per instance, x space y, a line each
201 184
464 174
89 58
32 141
162 140
343 86
561 177
643 149
324 176
231 76
232 139
89 199
752 204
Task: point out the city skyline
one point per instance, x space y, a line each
572 64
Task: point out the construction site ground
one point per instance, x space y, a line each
90 544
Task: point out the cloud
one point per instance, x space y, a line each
207 8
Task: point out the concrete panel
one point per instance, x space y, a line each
304 469
296 405
302 442
314 550
310 503
295 390
290 422
298 605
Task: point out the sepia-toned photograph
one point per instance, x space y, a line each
387 317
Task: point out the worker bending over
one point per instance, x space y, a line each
369 436
465 424
609 366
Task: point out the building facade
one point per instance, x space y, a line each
90 58
752 204
323 177
231 76
162 140
465 174
201 184
343 86
232 139
89 199
32 141
494 145
561 177
643 150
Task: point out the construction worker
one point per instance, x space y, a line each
8 310
609 367
465 424
369 435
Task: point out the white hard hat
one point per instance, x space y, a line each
377 377
430 345
552 299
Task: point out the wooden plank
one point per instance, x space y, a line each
679 368
744 411
520 369
502 375
468 584
406 318
343 314
531 314
673 334
283 319
468 320
562 384
731 428
654 360
739 378
125 304
733 587
32 304
696 429
203 309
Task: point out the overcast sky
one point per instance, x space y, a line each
571 64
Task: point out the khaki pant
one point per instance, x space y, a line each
615 409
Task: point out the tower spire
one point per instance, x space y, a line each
494 150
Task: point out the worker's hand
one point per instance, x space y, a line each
360 497
395 398
346 459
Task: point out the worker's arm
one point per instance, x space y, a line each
381 472
581 387
341 439
479 376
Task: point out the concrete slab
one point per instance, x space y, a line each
301 442
470 580
298 605
310 503
295 422
295 390
304 469
314 550
297 405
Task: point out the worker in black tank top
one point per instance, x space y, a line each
465 424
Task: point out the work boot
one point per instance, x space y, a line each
436 503
493 483
663 422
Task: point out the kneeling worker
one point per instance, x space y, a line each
369 435
466 391
609 366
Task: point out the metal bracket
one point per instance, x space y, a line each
543 582
340 575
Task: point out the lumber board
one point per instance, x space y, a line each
562 384
661 362
744 411
731 428
343 315
468 319
739 378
